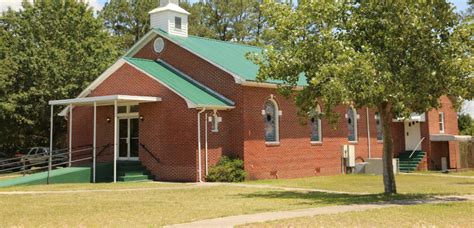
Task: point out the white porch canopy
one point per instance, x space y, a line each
114 100
413 117
448 137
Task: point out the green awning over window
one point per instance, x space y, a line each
195 94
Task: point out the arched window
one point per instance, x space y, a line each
271 121
352 124
378 125
315 124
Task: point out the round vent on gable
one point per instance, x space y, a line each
159 45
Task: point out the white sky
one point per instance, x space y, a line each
16 4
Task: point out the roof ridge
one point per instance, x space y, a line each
217 40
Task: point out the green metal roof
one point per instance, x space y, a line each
185 87
230 56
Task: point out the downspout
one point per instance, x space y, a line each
205 139
199 143
368 132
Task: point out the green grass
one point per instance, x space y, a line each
156 207
460 173
463 173
429 215
412 184
90 186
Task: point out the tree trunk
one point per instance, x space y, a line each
386 116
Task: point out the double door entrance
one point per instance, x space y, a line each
128 138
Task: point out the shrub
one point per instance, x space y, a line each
227 170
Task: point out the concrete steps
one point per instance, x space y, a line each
408 164
132 171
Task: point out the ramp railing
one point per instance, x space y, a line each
41 162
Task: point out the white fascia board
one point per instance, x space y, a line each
237 78
97 82
212 107
104 100
170 7
140 44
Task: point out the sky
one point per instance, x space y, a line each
461 5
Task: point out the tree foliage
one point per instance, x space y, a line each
49 50
466 124
127 20
236 20
396 57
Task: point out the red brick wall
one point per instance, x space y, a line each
229 139
450 127
295 156
168 129
170 132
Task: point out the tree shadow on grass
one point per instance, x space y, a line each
321 198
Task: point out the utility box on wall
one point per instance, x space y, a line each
348 158
348 153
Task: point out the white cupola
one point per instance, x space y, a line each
170 18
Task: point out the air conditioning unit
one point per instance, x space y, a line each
348 153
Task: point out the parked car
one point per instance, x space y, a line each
39 156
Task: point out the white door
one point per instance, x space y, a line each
412 135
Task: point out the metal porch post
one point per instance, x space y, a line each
70 135
115 140
94 146
50 144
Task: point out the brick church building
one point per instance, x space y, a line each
176 103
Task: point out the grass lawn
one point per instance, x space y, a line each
90 186
155 207
156 204
465 173
460 173
429 215
373 184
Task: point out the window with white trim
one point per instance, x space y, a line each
441 122
127 109
315 124
270 118
378 126
352 124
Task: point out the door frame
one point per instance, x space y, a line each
409 134
128 117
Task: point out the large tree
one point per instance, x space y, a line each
48 50
395 57
128 20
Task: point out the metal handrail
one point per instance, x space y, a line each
149 152
416 147
103 149
41 164
65 149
